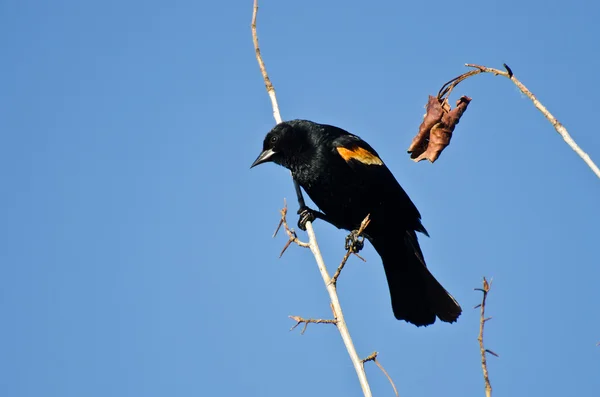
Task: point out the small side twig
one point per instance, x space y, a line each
293 238
482 349
373 357
300 320
350 251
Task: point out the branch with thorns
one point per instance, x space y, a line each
482 320
300 320
312 242
293 238
354 243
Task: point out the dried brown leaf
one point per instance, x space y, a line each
436 129
432 117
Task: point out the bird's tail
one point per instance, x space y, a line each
417 297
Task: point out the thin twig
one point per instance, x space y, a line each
562 131
340 267
292 237
263 68
361 229
482 349
373 357
300 320
312 240
447 88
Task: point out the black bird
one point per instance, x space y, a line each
345 177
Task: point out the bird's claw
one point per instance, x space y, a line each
354 242
306 215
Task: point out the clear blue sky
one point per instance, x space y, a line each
136 255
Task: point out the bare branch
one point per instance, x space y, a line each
300 320
351 250
482 349
373 357
312 240
447 88
292 237
263 68
562 131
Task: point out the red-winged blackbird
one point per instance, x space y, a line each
346 179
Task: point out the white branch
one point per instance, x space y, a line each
339 316
562 131
313 245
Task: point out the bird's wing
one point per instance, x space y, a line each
356 152
368 166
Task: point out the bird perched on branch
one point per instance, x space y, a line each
345 177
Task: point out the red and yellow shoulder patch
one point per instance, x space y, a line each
359 154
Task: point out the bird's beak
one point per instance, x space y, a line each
263 157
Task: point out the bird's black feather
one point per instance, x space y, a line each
345 177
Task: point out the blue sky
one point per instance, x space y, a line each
137 257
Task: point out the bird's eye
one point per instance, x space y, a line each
273 139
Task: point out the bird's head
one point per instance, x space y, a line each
284 142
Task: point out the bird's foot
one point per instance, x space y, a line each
306 215
354 242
